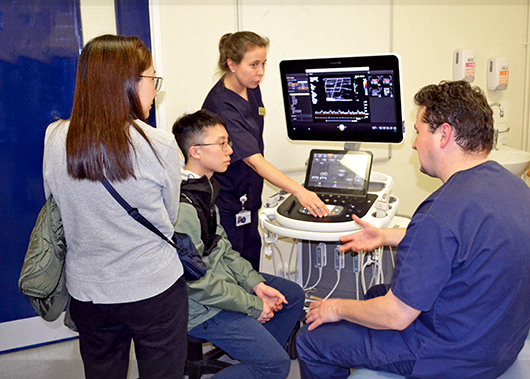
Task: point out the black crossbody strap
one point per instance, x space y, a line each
134 213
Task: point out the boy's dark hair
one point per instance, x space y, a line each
190 128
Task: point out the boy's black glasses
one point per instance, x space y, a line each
224 145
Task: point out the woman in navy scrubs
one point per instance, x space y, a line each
237 99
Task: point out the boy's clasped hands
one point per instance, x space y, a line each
273 301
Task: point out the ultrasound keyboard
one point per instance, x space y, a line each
341 208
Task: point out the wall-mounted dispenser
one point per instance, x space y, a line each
498 72
464 65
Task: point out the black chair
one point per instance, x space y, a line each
199 363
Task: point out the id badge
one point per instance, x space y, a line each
243 218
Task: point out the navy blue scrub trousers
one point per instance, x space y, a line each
330 350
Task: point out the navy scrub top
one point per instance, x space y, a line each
463 263
244 120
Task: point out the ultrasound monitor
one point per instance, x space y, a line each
348 99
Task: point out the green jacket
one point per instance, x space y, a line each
229 280
44 260
42 275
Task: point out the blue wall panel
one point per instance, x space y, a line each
40 41
132 19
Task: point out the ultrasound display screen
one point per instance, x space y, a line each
339 171
350 99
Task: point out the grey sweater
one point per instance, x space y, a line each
111 258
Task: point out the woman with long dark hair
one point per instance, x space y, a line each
126 283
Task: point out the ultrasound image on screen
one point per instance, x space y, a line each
350 99
339 97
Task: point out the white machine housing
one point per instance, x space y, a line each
379 215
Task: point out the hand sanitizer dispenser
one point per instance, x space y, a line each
464 65
498 72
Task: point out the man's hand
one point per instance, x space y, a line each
367 239
370 237
383 313
322 312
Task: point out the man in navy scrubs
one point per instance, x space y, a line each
459 302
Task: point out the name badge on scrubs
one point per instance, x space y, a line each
243 217
261 111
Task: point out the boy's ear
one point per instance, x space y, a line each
194 152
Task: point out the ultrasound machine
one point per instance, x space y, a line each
353 100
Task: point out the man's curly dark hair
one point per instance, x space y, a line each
463 107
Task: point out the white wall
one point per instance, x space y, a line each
190 34
98 17
296 29
424 32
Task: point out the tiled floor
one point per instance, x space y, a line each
58 360
61 361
